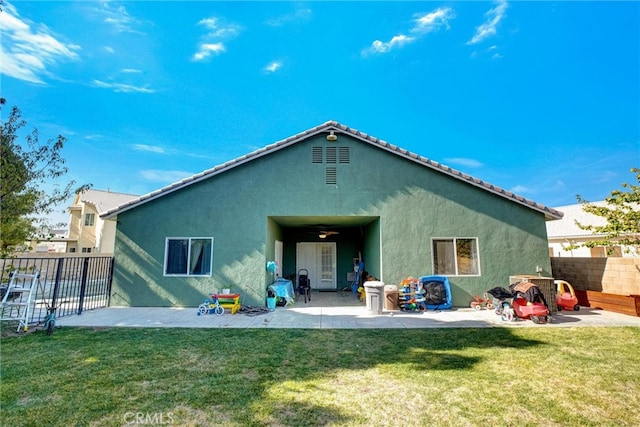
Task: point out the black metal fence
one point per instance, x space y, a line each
72 284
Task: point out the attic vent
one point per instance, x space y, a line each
330 175
331 154
316 155
343 155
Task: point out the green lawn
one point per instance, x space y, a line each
282 377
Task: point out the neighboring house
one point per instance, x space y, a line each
55 243
88 232
321 200
565 233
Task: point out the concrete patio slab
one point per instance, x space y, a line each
332 311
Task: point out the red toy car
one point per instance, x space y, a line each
566 296
536 311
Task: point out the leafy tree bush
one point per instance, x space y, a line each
25 170
622 213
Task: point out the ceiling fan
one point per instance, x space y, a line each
322 231
324 234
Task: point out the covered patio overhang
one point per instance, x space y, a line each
311 222
355 237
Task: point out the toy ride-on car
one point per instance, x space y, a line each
566 296
536 311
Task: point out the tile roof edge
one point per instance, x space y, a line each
332 125
550 213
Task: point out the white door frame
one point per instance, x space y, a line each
319 258
278 257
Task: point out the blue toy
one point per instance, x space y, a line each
437 292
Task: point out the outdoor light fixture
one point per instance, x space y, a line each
331 137
323 235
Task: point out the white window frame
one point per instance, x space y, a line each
89 219
455 256
189 246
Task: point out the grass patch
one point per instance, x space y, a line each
284 377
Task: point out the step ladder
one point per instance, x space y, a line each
18 296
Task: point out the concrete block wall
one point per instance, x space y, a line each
611 275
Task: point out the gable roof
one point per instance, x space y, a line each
325 128
103 200
567 226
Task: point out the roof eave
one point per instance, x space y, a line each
549 213
217 170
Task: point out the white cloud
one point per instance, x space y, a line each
219 30
149 148
273 66
166 176
423 24
212 40
130 71
297 16
118 17
488 28
122 87
491 50
206 49
433 20
27 52
208 22
396 41
463 161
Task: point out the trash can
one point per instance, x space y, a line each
271 299
374 294
391 294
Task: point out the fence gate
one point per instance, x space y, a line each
72 284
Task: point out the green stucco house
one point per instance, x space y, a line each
321 200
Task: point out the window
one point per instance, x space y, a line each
614 251
86 250
326 262
602 252
188 256
89 218
456 257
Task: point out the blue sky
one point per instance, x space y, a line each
539 98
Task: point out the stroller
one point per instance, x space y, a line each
304 285
502 299
529 302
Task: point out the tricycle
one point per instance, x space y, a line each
480 303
